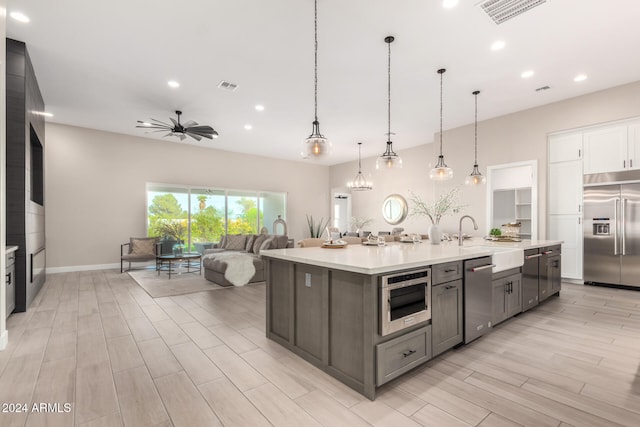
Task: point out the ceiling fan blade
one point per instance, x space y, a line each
182 137
169 134
194 136
161 122
189 124
175 123
154 127
201 129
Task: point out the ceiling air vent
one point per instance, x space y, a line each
503 10
540 89
227 86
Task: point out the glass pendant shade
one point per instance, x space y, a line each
389 159
441 172
360 183
316 145
475 178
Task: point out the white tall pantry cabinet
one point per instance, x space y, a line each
565 200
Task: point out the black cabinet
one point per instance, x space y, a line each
550 265
506 295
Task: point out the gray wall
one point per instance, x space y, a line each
516 137
96 194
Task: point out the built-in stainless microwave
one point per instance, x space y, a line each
405 300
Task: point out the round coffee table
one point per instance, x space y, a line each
191 260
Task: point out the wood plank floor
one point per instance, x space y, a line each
97 341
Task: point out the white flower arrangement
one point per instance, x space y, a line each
360 222
444 205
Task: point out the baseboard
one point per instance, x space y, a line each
574 281
4 339
51 270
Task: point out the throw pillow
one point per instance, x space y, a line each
257 242
269 243
223 240
250 240
142 246
235 242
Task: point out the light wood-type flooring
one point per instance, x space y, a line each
97 341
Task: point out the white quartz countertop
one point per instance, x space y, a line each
10 249
396 256
378 259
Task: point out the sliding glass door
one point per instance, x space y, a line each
199 217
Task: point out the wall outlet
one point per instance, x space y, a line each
307 280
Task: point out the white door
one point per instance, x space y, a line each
605 150
563 148
565 187
568 228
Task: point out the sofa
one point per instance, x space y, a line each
215 266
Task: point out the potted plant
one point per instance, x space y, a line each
445 204
316 230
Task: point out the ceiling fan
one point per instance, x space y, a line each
190 128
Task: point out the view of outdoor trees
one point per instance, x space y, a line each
167 218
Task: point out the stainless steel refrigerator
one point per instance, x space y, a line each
612 234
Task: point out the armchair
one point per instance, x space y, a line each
139 249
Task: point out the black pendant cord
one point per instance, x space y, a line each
441 73
315 69
389 92
475 163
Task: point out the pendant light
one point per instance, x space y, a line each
389 159
316 145
476 178
441 172
359 183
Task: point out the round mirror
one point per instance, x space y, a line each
394 209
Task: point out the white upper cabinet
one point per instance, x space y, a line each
564 148
634 146
605 150
565 188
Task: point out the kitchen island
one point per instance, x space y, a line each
326 305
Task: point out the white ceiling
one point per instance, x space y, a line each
105 64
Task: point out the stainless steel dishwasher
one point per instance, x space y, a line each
477 298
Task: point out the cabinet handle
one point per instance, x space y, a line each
630 163
449 287
579 153
624 164
579 208
532 256
579 220
484 267
450 270
8 278
547 252
408 353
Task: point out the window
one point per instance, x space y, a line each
200 216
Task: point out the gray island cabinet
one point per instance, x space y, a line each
331 306
325 306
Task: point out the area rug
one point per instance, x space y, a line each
161 286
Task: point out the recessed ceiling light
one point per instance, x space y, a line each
260 107
173 83
580 78
527 74
248 127
497 45
448 4
19 16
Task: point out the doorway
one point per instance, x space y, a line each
512 196
341 211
